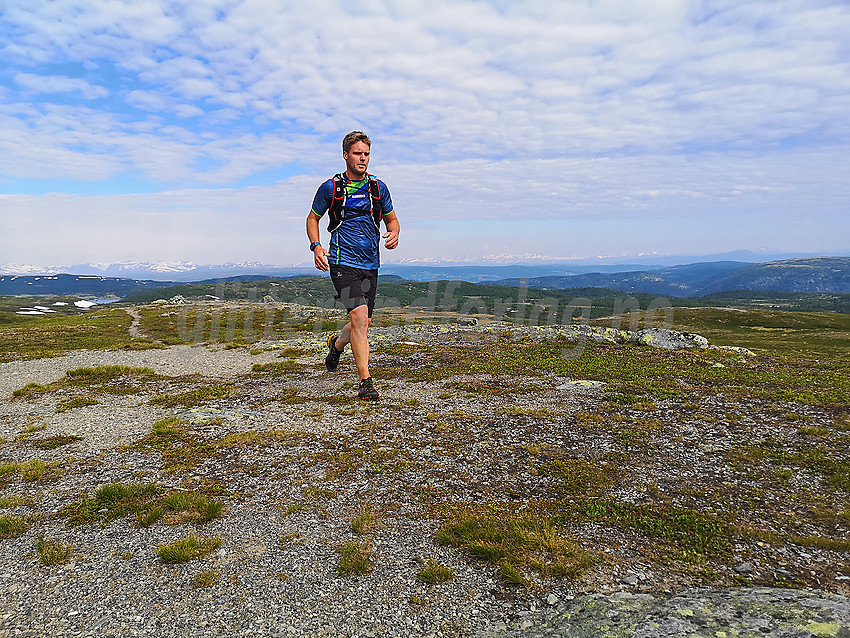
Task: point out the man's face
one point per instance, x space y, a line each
357 159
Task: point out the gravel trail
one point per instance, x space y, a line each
275 573
172 361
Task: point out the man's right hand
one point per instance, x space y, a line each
320 257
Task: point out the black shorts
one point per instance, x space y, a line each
355 286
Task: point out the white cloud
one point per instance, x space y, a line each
59 84
148 100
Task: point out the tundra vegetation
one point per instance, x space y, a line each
685 464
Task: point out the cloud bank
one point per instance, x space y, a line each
215 122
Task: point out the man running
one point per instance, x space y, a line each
355 202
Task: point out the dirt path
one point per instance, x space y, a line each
134 329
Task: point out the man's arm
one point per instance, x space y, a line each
320 255
391 235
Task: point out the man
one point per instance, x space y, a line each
355 202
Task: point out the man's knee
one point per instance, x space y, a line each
360 318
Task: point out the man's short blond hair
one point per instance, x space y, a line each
352 138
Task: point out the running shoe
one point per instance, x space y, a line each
367 390
332 360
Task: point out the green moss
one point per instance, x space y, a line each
779 453
55 335
180 447
147 502
513 541
582 477
693 533
76 402
53 442
279 368
193 398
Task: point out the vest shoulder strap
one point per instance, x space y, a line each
337 210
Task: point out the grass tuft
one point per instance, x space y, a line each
365 520
512 574
12 525
187 507
188 548
355 558
111 502
205 579
435 574
821 542
25 434
10 500
278 368
51 552
695 534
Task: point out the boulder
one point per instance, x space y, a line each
669 339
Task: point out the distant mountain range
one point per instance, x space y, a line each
76 285
491 269
184 271
817 274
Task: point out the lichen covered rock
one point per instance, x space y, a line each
698 613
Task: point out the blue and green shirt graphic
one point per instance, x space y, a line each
356 242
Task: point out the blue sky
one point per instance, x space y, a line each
507 131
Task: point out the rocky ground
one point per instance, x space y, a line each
305 473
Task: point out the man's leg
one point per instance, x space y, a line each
356 333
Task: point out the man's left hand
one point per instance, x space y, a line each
391 238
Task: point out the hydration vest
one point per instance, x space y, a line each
338 212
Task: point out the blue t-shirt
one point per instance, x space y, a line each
356 242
